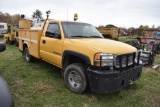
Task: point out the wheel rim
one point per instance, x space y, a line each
27 55
74 79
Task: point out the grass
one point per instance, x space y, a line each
40 84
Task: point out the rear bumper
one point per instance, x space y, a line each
2 32
107 81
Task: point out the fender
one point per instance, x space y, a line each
151 42
77 54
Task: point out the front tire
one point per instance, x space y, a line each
75 78
9 41
27 56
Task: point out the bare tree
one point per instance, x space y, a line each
10 19
15 19
146 27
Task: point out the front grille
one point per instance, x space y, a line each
125 60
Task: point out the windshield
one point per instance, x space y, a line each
80 30
15 27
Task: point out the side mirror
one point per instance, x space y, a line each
5 95
2 47
53 34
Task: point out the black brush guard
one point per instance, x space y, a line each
106 81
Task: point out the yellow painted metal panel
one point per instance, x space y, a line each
35 42
24 24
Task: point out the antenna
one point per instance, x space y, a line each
67 22
67 14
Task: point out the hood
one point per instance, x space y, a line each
105 45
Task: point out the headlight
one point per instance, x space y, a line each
103 59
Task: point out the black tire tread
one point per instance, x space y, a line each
30 57
81 71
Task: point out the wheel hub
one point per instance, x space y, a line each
74 79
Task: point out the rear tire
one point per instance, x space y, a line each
16 43
75 78
27 56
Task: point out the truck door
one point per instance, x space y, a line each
51 44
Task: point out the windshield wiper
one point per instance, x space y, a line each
95 37
79 36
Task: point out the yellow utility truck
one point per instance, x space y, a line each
12 35
109 32
85 57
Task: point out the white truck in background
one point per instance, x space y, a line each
3 28
37 25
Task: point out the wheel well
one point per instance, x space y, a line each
69 59
152 41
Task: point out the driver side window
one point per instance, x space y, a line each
53 30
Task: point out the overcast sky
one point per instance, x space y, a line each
122 13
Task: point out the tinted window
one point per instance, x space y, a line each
158 34
154 34
54 27
53 31
1 26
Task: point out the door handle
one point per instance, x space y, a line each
43 41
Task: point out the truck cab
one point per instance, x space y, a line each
84 56
12 35
3 28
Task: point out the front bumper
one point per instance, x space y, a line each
106 81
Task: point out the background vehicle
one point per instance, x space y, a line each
12 35
3 28
156 34
37 25
147 57
85 57
111 33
